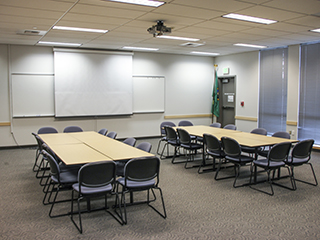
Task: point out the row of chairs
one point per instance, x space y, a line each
228 150
184 123
276 157
95 179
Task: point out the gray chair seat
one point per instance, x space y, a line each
89 190
135 184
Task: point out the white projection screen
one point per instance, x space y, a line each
92 83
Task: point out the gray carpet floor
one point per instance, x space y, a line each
198 207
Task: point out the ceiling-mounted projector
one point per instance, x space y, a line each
159 29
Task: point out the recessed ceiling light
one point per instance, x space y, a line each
179 38
60 44
316 30
249 45
249 18
206 53
140 48
148 3
80 29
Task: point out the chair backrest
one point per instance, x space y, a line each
216 124
54 166
130 141
145 146
231 147
97 174
185 123
171 134
166 123
212 143
230 126
302 149
103 131
39 141
279 152
49 150
142 169
281 135
184 136
72 129
112 135
260 131
45 130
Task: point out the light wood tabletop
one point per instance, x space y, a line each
84 147
243 138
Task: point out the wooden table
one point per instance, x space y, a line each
85 147
243 138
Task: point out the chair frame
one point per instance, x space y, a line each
301 152
213 148
189 146
276 158
143 174
173 140
56 184
233 154
95 170
163 136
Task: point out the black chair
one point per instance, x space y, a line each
230 126
112 135
58 181
300 155
141 174
70 129
103 131
185 123
213 148
173 140
42 166
46 130
145 146
250 150
276 158
216 125
94 180
264 150
43 130
130 141
233 155
163 134
189 146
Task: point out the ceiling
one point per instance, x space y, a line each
127 24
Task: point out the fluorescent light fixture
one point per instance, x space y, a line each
315 30
80 29
148 3
179 38
140 48
205 53
249 18
60 44
249 45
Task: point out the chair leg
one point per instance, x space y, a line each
79 212
314 175
269 180
164 215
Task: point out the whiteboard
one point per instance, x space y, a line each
148 94
32 95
